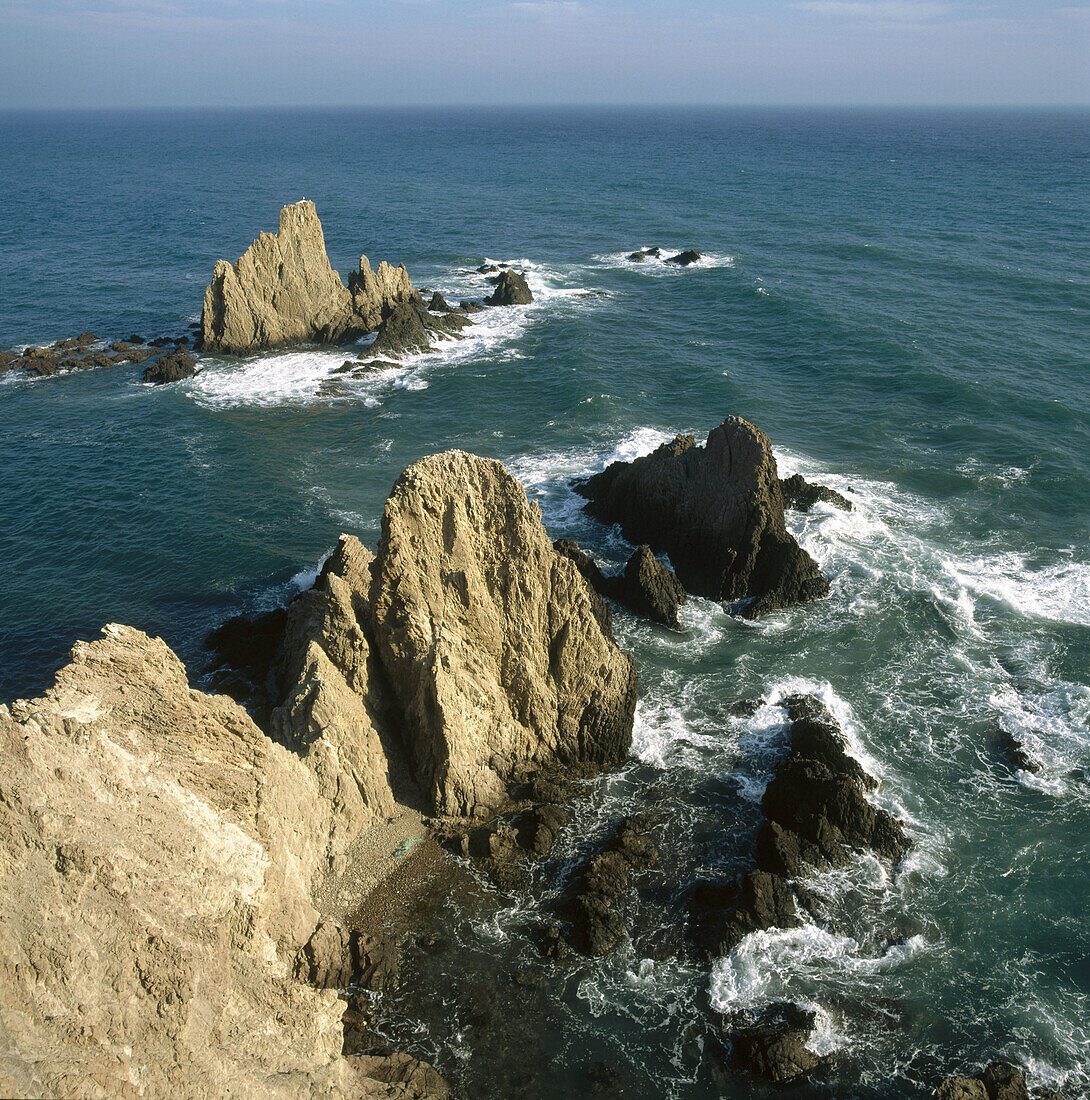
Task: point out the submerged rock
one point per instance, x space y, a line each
283 291
1014 751
174 366
511 290
489 638
801 495
639 256
717 511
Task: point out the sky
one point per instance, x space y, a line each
245 53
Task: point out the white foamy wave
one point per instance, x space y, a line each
659 265
267 380
1059 592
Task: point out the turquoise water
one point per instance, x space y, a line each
899 299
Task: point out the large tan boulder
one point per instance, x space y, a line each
283 290
489 637
156 858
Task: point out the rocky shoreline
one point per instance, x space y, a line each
210 893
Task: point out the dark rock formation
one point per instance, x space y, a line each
410 329
511 290
243 653
775 1046
999 1081
1014 752
487 269
717 511
645 586
438 304
596 925
39 362
470 307
639 256
684 259
127 353
171 367
800 495
817 813
649 588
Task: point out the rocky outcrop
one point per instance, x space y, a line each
1013 750
593 909
685 259
489 638
817 814
645 586
650 589
174 366
999 1081
639 256
410 329
511 290
717 511
774 1047
801 495
156 858
83 352
283 291
438 304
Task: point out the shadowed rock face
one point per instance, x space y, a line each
717 511
489 637
802 495
283 291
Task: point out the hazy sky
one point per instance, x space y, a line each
61 53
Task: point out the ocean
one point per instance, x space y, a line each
898 298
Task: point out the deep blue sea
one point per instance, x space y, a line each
900 299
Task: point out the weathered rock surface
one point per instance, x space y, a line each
649 588
283 290
171 367
597 925
775 1046
717 511
438 304
801 495
998 1081
410 329
817 814
336 709
645 586
489 637
511 290
156 857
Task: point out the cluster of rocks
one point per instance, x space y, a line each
160 853
718 511
801 495
998 1081
86 351
817 814
682 259
283 291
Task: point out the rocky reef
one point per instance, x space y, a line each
817 813
717 510
282 290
